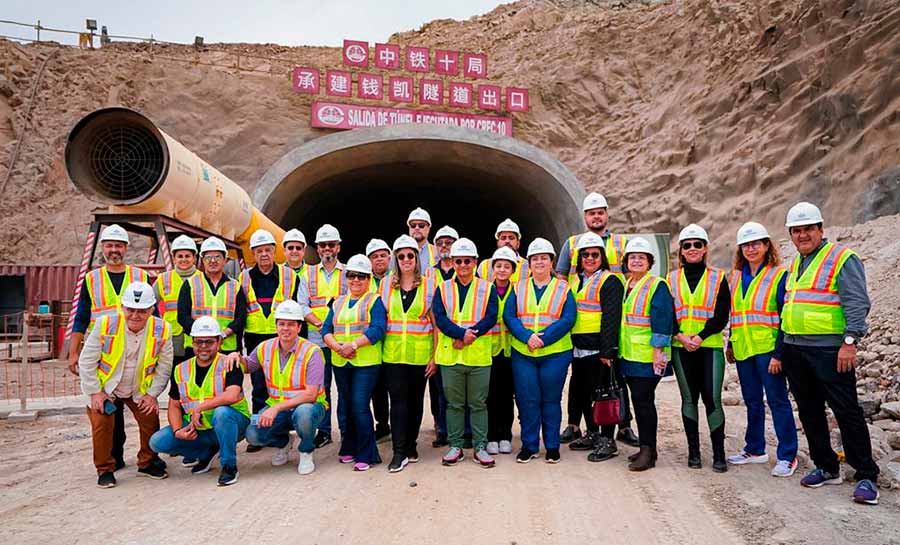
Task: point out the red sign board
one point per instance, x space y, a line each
306 80
356 53
330 115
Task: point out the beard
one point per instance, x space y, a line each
328 259
419 237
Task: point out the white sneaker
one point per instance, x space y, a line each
742 458
306 465
281 455
505 447
784 468
493 448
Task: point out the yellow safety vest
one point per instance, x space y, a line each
693 309
287 382
213 385
500 337
587 302
409 336
812 305
615 250
322 290
105 300
221 306
169 284
539 315
157 333
635 333
257 321
350 323
754 316
477 354
486 271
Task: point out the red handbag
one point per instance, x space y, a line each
608 403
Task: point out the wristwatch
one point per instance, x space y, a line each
849 340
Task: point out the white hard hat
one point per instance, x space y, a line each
507 225
638 245
463 248
206 326
289 310
328 233
802 213
507 254
589 240
183 242
693 231
751 231
540 246
594 200
213 244
294 235
446 232
261 237
419 214
138 295
359 263
114 233
376 244
405 241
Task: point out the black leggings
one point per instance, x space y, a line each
406 385
700 375
500 400
643 396
588 373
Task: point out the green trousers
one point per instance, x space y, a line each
466 385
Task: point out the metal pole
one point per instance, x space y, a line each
39 30
23 370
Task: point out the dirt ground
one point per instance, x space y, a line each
48 495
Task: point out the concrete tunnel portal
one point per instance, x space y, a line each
366 181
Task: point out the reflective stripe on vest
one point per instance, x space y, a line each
754 317
221 306
105 300
474 308
693 309
615 249
486 271
213 385
257 321
322 290
635 333
812 305
409 336
112 348
169 284
539 315
349 323
588 304
288 382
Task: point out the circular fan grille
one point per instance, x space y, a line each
127 161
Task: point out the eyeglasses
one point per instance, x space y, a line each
204 342
406 257
590 255
294 248
753 244
418 224
327 244
210 258
465 261
357 276
444 242
697 245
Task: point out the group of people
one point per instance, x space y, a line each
483 337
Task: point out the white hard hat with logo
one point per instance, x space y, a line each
376 244
419 214
693 231
638 245
261 237
540 246
405 241
589 240
289 310
183 242
594 200
360 264
114 233
505 253
213 244
138 295
463 248
803 213
446 232
328 233
206 326
751 231
507 226
294 235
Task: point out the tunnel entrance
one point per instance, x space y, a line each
365 182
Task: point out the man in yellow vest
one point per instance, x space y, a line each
294 251
509 236
379 254
322 283
126 360
443 240
419 223
207 414
100 296
167 287
823 318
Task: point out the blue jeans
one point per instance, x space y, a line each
325 426
304 419
228 427
355 386
755 379
538 388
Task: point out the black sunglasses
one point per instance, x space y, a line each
697 245
326 244
204 342
356 276
294 247
406 257
418 224
590 255
465 261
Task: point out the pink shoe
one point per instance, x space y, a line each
346 459
360 466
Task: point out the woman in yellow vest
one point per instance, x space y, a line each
757 297
540 314
353 330
644 339
408 347
702 308
500 402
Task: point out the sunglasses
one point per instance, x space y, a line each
357 276
209 258
590 255
204 342
465 261
327 244
418 224
753 244
697 245
406 257
444 242
294 248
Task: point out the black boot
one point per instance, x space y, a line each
718 446
645 460
693 440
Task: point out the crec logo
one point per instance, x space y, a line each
331 115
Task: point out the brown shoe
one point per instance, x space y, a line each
645 460
634 456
